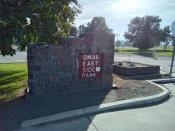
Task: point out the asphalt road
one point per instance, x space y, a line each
159 117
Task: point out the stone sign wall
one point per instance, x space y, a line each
76 64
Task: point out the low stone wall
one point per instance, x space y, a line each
144 69
76 64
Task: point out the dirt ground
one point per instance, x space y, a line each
128 89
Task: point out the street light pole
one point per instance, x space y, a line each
172 61
117 35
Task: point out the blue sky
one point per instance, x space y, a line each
118 13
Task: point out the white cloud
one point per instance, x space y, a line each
119 12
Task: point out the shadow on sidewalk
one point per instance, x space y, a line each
13 113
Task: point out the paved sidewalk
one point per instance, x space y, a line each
14 113
159 117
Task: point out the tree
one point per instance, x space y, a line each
34 21
127 44
165 35
144 32
118 43
73 31
91 25
84 29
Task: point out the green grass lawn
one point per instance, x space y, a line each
13 80
157 51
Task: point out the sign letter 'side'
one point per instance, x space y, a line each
90 66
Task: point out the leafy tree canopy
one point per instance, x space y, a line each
144 32
95 23
33 21
165 35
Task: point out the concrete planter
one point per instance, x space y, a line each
126 68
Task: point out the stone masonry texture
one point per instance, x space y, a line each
56 68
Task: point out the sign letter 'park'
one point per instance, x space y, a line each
90 66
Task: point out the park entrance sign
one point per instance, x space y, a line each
76 64
90 66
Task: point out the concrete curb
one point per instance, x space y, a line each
163 81
156 75
130 102
99 108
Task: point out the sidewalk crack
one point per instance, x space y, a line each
86 114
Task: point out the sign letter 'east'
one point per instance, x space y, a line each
90 66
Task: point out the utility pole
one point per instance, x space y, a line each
172 61
173 37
